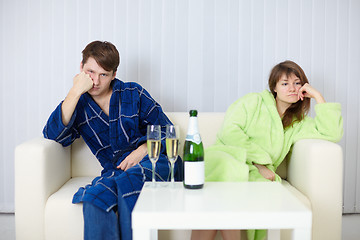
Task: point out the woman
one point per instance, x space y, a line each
260 128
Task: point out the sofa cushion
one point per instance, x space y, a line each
63 219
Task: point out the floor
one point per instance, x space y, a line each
351 227
7 226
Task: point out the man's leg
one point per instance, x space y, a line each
129 185
99 224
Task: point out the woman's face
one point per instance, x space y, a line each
287 89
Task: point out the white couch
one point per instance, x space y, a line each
47 175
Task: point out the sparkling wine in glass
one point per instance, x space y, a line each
172 146
153 146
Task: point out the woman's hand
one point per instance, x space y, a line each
133 158
265 172
307 91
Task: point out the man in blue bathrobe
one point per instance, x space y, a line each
112 117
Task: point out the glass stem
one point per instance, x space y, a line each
153 172
172 171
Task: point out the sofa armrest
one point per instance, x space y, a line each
42 166
316 169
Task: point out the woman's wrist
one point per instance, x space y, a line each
258 165
319 98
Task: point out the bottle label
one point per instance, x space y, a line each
194 173
194 138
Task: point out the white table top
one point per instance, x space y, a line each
220 205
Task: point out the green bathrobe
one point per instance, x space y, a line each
252 132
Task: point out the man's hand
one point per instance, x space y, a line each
82 83
133 158
265 172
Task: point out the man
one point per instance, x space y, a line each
112 117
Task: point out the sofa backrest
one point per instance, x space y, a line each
84 162
209 125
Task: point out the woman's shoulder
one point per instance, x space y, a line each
246 104
252 98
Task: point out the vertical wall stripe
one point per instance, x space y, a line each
2 105
355 72
353 87
201 54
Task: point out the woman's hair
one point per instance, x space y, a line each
296 111
104 53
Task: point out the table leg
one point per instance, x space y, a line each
154 234
273 234
144 234
301 234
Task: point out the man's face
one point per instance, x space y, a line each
100 77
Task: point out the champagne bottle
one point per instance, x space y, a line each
194 169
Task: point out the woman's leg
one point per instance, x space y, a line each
203 234
99 224
230 234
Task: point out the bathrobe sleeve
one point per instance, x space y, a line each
233 131
327 124
57 131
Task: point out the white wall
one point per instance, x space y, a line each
200 54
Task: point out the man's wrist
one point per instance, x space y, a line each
74 94
143 148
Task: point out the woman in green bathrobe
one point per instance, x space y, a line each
260 128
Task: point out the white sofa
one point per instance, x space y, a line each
47 175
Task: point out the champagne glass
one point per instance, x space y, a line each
153 146
172 146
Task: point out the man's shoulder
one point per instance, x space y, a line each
84 99
127 86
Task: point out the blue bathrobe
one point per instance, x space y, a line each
111 139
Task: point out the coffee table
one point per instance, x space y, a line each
220 205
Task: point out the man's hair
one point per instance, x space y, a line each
104 53
297 111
